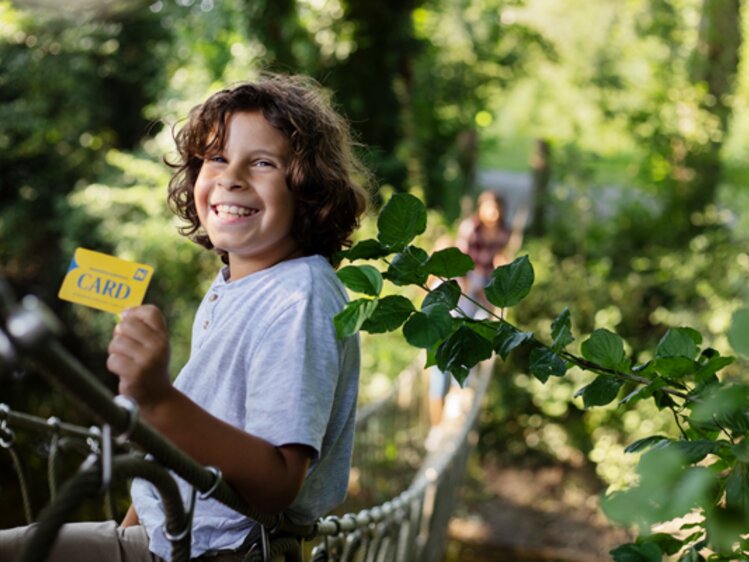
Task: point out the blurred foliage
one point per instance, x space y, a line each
67 94
648 98
468 54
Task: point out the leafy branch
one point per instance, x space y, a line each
698 472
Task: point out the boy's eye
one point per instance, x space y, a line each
263 163
213 158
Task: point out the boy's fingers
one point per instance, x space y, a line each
148 314
122 345
119 364
135 330
142 325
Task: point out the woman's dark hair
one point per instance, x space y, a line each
325 176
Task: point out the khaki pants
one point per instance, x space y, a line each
100 541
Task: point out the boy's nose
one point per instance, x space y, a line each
231 181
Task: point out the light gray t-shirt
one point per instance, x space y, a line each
265 358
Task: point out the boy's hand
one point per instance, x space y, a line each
139 355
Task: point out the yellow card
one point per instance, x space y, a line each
105 282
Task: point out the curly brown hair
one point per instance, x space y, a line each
328 181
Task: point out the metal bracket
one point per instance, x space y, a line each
7 437
217 480
131 406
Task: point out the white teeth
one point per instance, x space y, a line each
234 210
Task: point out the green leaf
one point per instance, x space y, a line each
646 443
724 529
695 451
431 357
407 267
485 328
546 363
741 451
725 405
350 319
510 283
362 279
401 219
711 367
646 369
738 333
667 543
648 502
603 390
631 552
561 330
461 351
391 312
737 491
694 489
663 399
625 507
605 349
447 293
692 555
668 488
675 367
449 262
679 342
508 338
424 329
661 466
365 250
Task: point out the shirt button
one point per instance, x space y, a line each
213 297
205 324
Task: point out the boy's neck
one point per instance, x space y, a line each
238 268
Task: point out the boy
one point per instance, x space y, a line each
266 179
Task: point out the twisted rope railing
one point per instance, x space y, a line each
410 527
389 440
413 525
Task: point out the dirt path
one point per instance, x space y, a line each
530 514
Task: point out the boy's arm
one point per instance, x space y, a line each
267 477
131 518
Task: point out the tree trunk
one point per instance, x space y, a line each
714 63
541 175
368 79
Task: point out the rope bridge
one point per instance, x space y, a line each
411 526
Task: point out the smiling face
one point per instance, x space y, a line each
242 199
